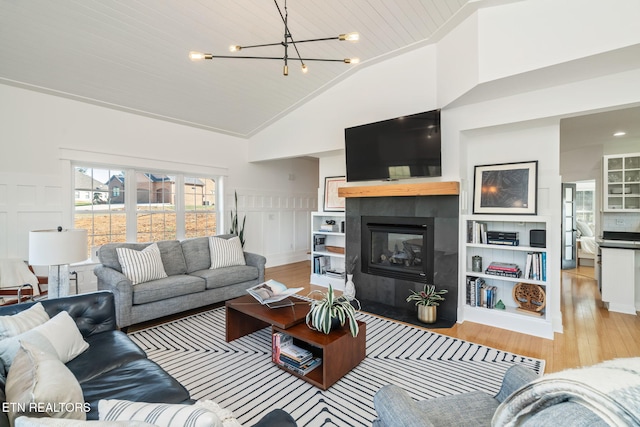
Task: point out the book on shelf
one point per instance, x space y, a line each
512 274
297 359
536 266
271 291
480 294
503 235
337 274
320 264
328 227
476 232
504 266
503 269
514 242
305 368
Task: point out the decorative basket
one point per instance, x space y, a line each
335 249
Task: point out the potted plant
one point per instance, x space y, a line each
427 300
331 311
235 229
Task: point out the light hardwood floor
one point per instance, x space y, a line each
591 333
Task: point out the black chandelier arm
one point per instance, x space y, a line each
211 56
318 40
262 45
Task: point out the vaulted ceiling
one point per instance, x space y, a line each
133 54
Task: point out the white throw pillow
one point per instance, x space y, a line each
59 336
584 229
10 326
160 414
226 252
56 422
40 384
141 266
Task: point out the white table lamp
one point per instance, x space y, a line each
57 249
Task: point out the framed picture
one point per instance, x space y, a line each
507 188
333 203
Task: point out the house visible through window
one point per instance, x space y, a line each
99 206
165 206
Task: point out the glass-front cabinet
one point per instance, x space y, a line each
622 182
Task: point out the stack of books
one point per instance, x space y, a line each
480 294
508 238
335 274
504 269
292 357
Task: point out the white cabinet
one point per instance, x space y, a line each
622 182
620 278
536 322
327 249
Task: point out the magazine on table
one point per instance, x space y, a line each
272 291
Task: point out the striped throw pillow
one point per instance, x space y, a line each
226 252
159 414
11 326
141 266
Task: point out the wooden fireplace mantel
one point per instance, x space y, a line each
444 188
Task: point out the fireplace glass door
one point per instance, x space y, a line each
402 251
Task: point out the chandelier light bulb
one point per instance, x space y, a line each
305 70
234 48
350 37
352 60
196 56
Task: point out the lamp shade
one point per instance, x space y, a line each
53 247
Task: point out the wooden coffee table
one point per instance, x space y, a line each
340 352
246 315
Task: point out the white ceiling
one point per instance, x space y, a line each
133 54
597 129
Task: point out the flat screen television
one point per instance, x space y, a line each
404 147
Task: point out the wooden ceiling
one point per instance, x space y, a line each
133 54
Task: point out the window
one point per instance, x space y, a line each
98 207
200 213
585 206
164 206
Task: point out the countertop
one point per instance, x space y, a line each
619 240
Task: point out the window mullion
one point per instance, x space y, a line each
180 206
131 204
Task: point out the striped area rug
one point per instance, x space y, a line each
240 375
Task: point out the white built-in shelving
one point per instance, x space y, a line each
327 249
511 317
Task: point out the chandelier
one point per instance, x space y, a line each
287 42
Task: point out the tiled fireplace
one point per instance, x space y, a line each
402 243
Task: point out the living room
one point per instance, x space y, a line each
505 74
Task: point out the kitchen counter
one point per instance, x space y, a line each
620 258
618 244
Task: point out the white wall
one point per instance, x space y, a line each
504 78
396 87
39 131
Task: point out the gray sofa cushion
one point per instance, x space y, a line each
226 276
196 253
169 287
170 251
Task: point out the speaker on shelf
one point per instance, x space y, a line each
538 238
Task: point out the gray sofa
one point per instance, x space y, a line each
605 394
190 282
